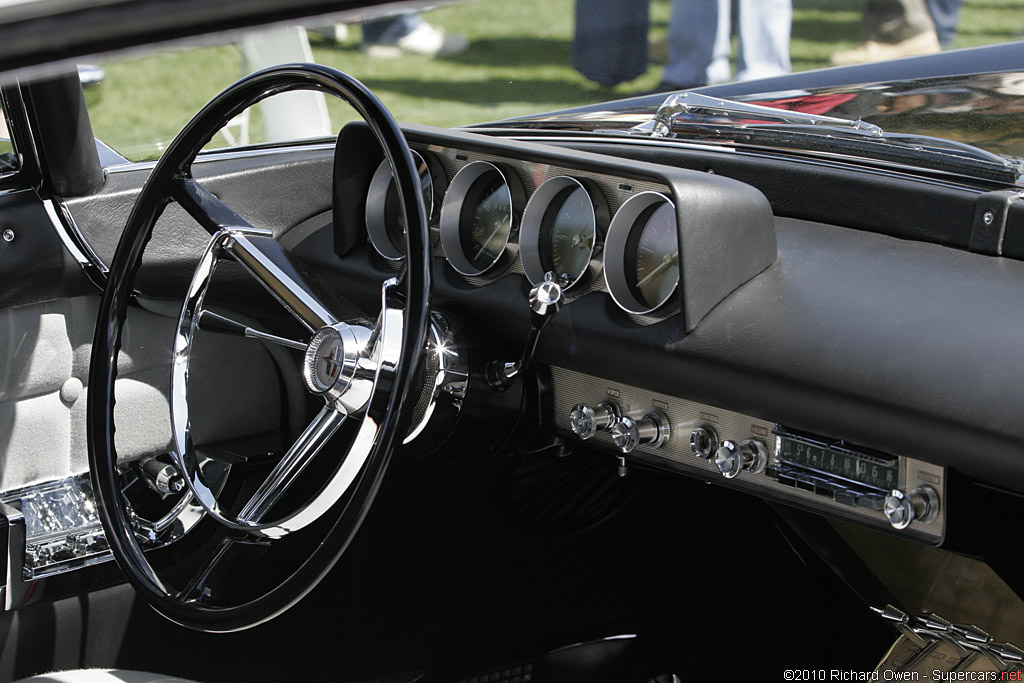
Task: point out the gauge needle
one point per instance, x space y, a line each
665 263
577 239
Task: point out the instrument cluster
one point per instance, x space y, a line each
494 215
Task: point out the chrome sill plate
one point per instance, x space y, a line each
62 528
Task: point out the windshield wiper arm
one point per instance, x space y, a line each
697 114
692 106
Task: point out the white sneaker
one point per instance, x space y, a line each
336 32
425 39
874 51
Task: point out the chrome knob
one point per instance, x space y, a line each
728 460
652 429
732 458
903 508
161 477
755 455
703 442
586 421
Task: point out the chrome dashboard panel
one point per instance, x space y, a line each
715 215
615 190
570 388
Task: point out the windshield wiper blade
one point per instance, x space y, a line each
696 115
697 108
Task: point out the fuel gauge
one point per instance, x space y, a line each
641 263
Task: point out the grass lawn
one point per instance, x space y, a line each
517 63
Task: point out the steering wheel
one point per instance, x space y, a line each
360 371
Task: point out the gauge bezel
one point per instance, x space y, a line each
376 203
623 226
531 251
452 210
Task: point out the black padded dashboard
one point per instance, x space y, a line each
900 345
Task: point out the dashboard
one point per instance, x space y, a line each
650 251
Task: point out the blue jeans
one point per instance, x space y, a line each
610 43
700 41
946 15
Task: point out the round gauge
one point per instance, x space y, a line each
641 264
477 217
560 229
385 222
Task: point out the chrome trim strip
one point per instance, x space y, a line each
68 232
227 154
58 226
888 170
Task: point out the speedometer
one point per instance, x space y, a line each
478 217
642 254
561 227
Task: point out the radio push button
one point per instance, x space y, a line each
901 508
587 421
652 429
871 501
750 455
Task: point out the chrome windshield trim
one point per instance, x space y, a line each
862 164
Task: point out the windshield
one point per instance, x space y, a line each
489 60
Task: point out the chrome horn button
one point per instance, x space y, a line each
324 361
332 358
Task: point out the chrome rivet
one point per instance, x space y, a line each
8 235
988 217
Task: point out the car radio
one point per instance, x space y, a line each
897 493
850 475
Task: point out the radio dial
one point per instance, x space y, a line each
703 442
901 508
652 429
732 458
586 421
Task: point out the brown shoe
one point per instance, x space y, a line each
657 51
874 51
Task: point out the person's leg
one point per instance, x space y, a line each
764 28
408 33
390 29
893 21
610 43
699 43
946 15
892 29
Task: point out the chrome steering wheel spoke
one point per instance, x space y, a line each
312 440
267 261
346 365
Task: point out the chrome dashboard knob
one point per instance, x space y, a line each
652 429
902 508
586 421
732 458
703 442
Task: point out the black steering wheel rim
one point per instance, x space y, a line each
171 180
